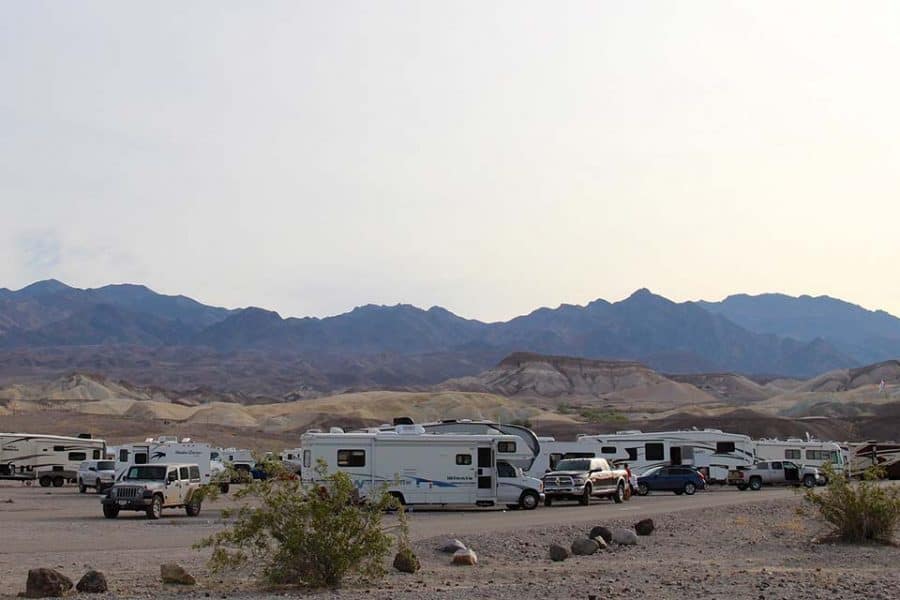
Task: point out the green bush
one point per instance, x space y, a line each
595 415
861 511
317 536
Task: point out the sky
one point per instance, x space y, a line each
488 157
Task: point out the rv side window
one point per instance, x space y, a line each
73 456
184 473
307 457
654 451
794 454
195 473
464 459
724 447
506 446
608 450
818 455
351 458
632 453
123 455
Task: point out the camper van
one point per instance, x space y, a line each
711 451
169 449
427 468
809 452
49 459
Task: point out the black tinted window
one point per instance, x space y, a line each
195 472
464 459
506 446
654 451
724 447
77 456
608 450
776 465
351 458
184 473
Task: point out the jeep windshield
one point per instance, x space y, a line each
146 473
573 464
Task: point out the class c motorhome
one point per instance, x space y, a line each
49 459
426 468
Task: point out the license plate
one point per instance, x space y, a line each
123 502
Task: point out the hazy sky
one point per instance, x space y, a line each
489 157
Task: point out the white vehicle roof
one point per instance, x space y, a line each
687 434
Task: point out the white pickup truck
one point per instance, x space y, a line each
776 472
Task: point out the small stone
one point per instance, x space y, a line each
44 583
465 557
558 553
584 547
624 537
451 546
93 582
601 532
644 527
173 573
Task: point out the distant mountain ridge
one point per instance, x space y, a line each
121 329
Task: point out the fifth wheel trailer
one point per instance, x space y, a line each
49 459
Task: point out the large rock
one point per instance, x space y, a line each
93 582
624 537
451 546
46 583
406 561
172 573
584 547
465 557
644 527
602 533
558 553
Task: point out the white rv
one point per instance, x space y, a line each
292 459
168 449
426 468
809 452
860 456
239 458
50 459
712 451
553 451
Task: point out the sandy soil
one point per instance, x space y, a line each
717 544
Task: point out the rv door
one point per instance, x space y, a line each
485 473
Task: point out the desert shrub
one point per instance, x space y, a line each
288 533
596 415
860 511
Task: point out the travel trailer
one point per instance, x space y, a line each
712 451
168 449
552 452
862 455
49 459
809 452
418 467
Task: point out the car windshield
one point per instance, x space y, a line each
573 464
146 473
653 471
106 465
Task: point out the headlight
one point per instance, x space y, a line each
578 481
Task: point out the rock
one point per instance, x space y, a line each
558 553
465 557
172 573
44 583
406 561
644 527
584 547
451 546
601 544
624 537
93 582
601 532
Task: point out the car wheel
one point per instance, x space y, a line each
58 482
679 492
756 484
809 481
689 488
192 508
110 511
620 494
45 481
154 511
548 501
643 490
742 487
529 500
81 487
585 498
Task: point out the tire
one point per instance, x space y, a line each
619 496
548 501
679 492
742 487
690 488
755 484
399 498
81 487
45 481
585 498
154 511
529 500
223 487
110 511
809 481
642 489
58 482
192 509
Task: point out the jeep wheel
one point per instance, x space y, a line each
585 498
529 500
110 511
809 481
689 488
192 508
45 481
58 482
643 490
755 484
154 511
548 501
620 494
81 487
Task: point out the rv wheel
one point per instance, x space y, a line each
110 511
58 482
529 500
45 481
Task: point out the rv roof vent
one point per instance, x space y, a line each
403 421
85 436
410 429
185 440
168 438
335 430
148 441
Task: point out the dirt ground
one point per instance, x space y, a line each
717 544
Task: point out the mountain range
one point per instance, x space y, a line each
150 338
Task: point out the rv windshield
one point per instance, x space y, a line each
106 465
574 464
146 473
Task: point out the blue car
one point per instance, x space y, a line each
678 479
